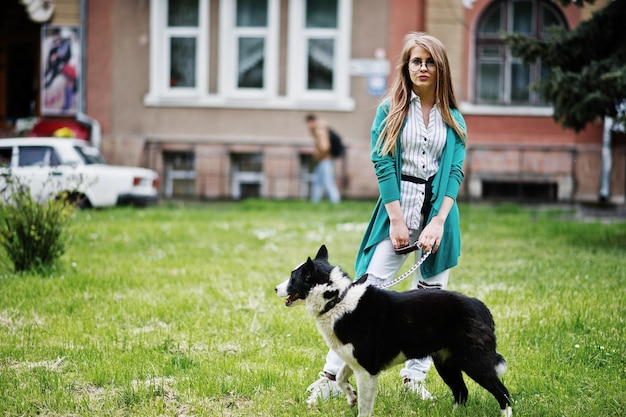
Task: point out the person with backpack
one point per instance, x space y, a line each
324 173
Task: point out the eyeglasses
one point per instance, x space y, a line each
416 64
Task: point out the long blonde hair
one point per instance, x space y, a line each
399 94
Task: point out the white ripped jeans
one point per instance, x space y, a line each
385 264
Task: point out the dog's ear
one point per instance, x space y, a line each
309 268
322 253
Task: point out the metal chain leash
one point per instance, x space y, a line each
407 273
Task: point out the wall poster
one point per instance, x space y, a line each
60 70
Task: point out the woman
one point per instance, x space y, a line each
418 149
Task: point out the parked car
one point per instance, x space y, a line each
51 167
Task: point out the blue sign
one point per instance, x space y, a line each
376 85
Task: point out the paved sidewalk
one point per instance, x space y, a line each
601 212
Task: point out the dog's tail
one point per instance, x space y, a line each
500 365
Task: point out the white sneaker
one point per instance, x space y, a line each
322 389
418 388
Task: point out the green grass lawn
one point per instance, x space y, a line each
170 311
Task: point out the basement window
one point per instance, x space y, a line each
520 191
307 165
247 175
180 174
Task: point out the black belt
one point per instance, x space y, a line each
426 207
415 180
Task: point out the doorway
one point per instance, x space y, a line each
19 66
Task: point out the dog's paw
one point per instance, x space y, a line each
507 412
351 396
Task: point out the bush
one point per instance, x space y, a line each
33 231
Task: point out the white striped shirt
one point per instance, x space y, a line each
421 152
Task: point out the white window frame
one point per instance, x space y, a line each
160 35
229 52
228 95
298 38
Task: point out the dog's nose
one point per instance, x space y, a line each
281 289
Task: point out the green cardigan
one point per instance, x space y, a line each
447 182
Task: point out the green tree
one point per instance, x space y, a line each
587 65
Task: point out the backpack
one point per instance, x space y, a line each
337 149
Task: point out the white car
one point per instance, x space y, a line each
51 166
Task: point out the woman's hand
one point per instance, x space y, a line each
398 233
432 234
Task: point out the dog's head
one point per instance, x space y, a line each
308 275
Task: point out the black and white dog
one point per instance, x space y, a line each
372 329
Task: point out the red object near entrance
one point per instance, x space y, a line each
47 127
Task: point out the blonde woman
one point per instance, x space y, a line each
418 149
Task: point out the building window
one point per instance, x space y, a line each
251 46
319 49
254 70
502 79
249 34
182 24
321 32
180 174
520 191
178 54
247 176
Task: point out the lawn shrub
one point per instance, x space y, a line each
33 232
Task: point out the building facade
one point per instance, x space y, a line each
213 93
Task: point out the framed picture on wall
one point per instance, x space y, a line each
60 70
